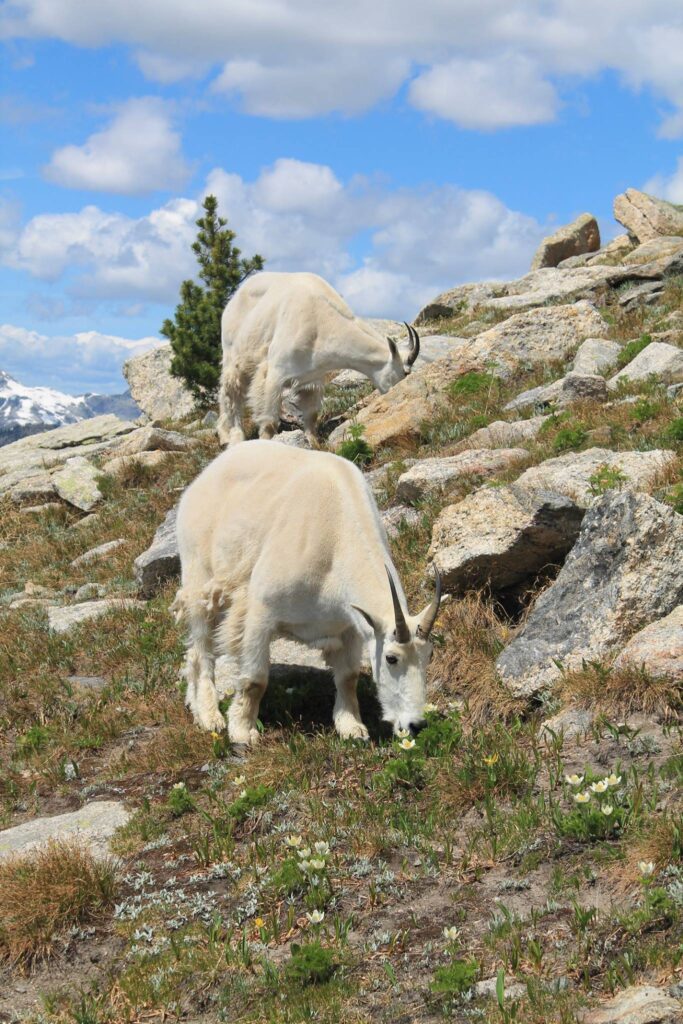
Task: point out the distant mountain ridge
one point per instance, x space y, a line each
25 410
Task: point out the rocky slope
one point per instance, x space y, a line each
523 860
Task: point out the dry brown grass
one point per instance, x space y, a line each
475 631
45 892
621 691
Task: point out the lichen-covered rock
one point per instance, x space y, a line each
645 216
397 516
573 387
159 395
152 439
504 433
434 476
76 483
92 825
595 355
62 618
659 359
536 336
641 1004
654 249
624 571
151 460
161 560
500 536
658 648
36 488
582 476
581 236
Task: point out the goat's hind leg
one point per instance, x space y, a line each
202 613
246 633
231 407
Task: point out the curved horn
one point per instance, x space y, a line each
402 632
431 611
414 344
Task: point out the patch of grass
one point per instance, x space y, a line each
356 449
632 349
456 978
472 383
606 478
45 892
569 438
620 691
674 431
311 964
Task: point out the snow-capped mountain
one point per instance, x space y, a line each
25 410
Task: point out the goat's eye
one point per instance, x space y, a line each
391 659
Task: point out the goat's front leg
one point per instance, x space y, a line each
345 663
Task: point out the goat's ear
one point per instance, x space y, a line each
392 348
368 618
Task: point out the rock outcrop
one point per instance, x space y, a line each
62 618
435 476
499 536
640 1004
645 216
76 483
161 561
572 388
596 355
575 239
92 825
663 361
658 648
159 395
623 573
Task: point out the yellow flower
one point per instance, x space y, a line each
613 780
215 736
491 760
574 780
607 809
259 922
599 787
582 798
407 744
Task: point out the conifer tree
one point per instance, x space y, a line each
195 331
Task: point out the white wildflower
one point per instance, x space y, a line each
574 780
316 916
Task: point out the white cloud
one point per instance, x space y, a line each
481 94
300 58
668 186
137 152
299 216
87 361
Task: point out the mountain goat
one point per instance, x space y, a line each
278 541
291 330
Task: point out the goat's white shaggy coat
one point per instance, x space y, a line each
291 330
279 541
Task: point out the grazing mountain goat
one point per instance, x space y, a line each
291 330
279 541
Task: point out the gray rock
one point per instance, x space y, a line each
93 825
647 293
435 476
572 388
654 249
87 682
581 236
159 395
658 648
151 460
210 419
63 618
571 723
641 1004
48 506
153 439
399 515
35 488
659 359
89 592
161 560
76 483
623 572
645 216
572 474
595 355
486 989
98 552
293 438
504 433
500 536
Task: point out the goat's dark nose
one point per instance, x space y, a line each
416 727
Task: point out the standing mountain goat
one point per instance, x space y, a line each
279 541
291 330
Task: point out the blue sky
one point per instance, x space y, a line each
396 150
